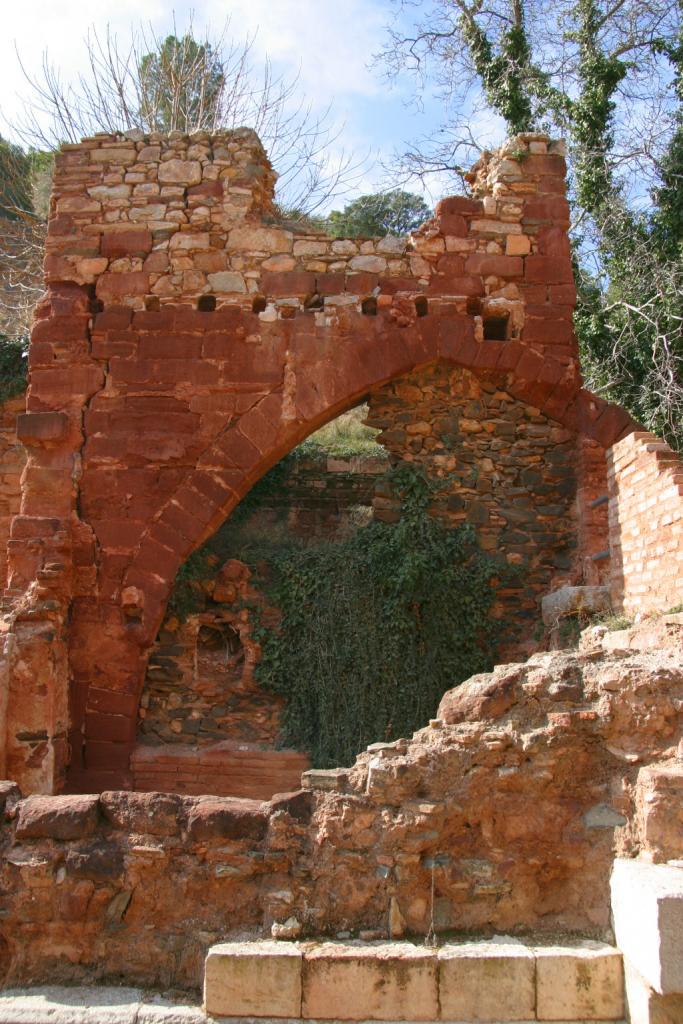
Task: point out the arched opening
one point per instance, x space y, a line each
495 463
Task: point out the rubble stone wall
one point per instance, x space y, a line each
186 342
503 815
646 525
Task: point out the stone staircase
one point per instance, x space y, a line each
501 980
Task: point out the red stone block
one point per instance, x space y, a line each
552 208
288 283
221 819
529 366
115 728
137 242
238 449
118 533
105 348
451 265
467 286
107 756
28 527
554 185
563 294
116 318
112 287
452 224
207 189
60 329
57 817
487 355
68 299
458 205
391 285
154 557
258 429
111 701
361 283
229 317
330 284
548 330
500 266
553 241
155 814
547 269
545 164
170 346
456 341
154 320
37 427
61 226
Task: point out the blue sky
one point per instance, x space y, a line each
330 43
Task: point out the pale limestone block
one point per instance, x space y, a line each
180 172
647 906
186 240
106 192
373 264
151 212
113 156
258 239
495 227
279 264
392 982
344 247
579 982
487 981
392 245
225 281
257 979
310 247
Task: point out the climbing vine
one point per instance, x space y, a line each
374 629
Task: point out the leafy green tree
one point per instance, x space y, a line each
608 77
181 84
383 213
15 181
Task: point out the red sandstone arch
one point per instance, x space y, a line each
320 382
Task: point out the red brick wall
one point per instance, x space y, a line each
645 525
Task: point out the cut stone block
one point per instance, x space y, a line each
253 979
487 981
580 982
647 905
370 982
645 1006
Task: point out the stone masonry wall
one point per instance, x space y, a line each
646 525
504 814
501 466
186 342
12 461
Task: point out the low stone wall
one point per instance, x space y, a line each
505 814
646 525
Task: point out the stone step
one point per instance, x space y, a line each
501 980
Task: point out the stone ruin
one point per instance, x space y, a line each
186 341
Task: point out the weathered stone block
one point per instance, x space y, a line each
373 982
582 982
660 805
36 427
647 906
180 172
254 979
487 981
57 817
228 819
574 600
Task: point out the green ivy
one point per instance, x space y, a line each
13 368
374 629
